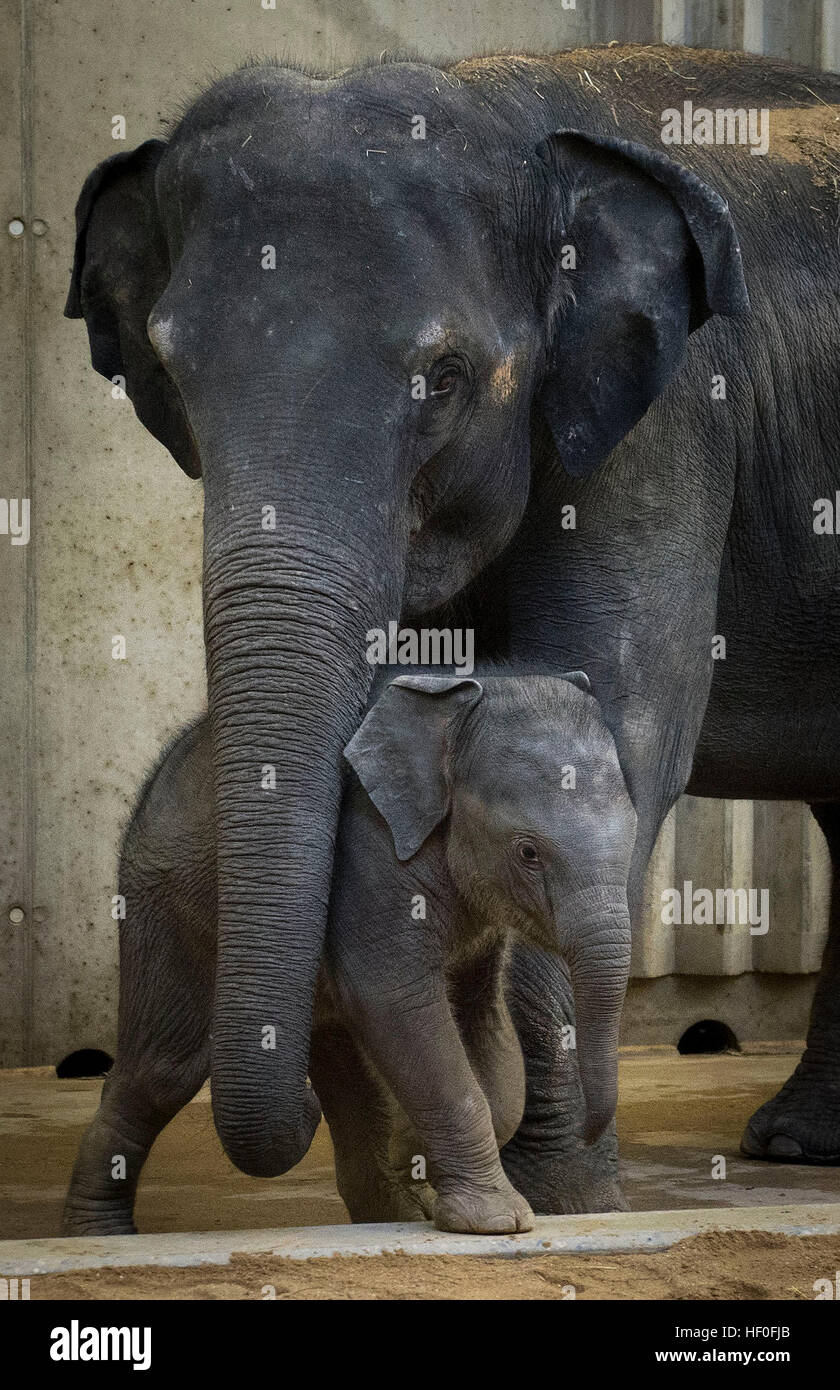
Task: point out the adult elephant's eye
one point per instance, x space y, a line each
529 855
446 378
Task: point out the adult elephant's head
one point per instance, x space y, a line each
337 302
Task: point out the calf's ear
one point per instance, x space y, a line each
399 753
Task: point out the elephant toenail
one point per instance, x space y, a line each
781 1146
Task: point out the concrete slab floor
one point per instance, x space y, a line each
676 1115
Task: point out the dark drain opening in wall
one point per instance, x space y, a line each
88 1061
708 1036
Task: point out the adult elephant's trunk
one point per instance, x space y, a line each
286 611
599 964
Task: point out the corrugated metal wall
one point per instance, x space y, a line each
116 528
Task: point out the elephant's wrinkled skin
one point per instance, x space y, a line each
484 809
445 260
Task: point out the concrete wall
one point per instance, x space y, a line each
115 545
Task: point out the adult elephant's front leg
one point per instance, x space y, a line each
547 1160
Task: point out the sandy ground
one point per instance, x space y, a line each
677 1117
739 1265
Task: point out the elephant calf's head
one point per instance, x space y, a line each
540 828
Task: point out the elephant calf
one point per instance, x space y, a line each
505 803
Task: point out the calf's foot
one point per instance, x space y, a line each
495 1210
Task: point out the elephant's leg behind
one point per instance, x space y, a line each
801 1124
547 1160
362 1116
490 1037
167 967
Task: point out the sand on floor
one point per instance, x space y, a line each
719 1265
678 1117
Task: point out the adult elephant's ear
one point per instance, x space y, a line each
641 252
120 269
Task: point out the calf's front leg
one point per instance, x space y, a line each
388 972
412 1038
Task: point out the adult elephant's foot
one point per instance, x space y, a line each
566 1183
801 1124
495 1210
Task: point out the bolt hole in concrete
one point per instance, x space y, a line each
708 1036
86 1061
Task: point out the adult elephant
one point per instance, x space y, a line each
412 310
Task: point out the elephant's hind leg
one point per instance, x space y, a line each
163 1057
100 1200
167 973
362 1116
490 1038
801 1124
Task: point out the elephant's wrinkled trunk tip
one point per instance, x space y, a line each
267 1154
600 969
